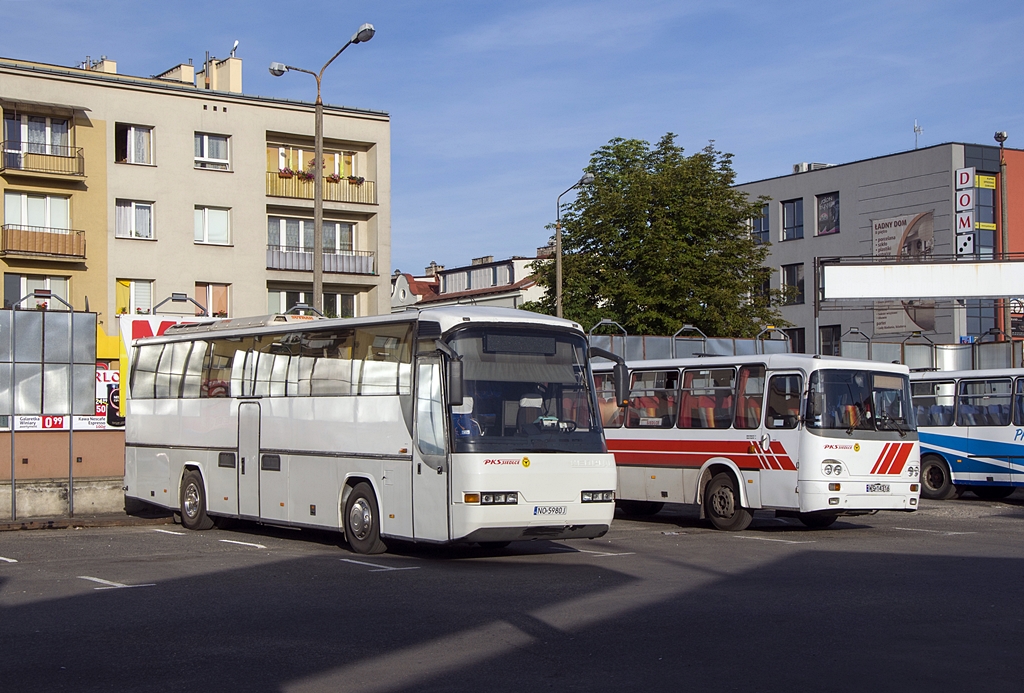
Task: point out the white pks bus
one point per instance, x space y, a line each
453 424
810 437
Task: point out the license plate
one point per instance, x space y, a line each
549 510
878 488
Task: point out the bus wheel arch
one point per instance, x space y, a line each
713 468
936 478
192 499
361 516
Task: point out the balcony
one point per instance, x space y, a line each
282 257
48 161
65 245
342 191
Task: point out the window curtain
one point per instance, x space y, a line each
122 296
291 233
141 145
217 226
307 236
123 219
143 221
274 233
60 213
330 238
143 295
37 135
217 147
59 142
12 207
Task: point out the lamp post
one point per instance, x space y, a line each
362 35
587 179
1004 232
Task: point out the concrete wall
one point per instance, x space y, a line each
50 498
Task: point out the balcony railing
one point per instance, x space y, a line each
283 257
39 241
342 191
49 159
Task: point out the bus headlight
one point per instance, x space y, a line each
500 498
913 472
831 467
597 496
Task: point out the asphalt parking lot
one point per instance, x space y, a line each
921 601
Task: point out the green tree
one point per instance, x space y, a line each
660 240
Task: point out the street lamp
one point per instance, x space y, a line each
1004 232
587 179
362 35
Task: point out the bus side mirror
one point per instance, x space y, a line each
454 382
621 384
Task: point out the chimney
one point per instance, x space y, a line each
432 269
180 73
483 260
225 75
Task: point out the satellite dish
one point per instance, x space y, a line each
234 48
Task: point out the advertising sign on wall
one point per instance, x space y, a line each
910 236
828 214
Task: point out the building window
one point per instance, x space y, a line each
211 226
211 151
40 212
829 335
793 277
796 340
133 144
336 305
336 163
985 217
133 219
792 220
296 235
18 286
760 229
134 296
36 135
213 297
828 213
981 316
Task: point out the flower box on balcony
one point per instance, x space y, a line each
356 180
286 173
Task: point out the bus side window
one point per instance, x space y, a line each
783 410
144 373
611 413
1018 403
429 410
652 399
749 395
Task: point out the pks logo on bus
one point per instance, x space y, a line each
525 462
842 446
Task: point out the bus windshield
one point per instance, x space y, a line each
525 390
859 400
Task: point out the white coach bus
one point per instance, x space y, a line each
453 424
810 437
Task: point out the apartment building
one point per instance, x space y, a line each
905 205
121 190
503 283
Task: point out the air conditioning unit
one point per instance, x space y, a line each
804 167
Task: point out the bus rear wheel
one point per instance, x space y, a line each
992 492
193 502
722 504
818 520
936 480
362 520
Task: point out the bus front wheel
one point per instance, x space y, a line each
936 479
362 521
193 502
722 504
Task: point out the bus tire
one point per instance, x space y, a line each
633 508
936 479
992 492
722 504
193 502
818 520
362 521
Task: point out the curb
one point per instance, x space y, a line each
84 521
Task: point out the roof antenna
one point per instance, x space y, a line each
234 48
917 131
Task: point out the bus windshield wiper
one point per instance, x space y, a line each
891 425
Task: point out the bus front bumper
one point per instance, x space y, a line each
855 497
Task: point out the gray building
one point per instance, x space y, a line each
901 205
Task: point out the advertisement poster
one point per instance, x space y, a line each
828 214
107 378
910 236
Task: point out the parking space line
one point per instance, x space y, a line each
605 553
780 541
167 531
379 568
932 531
7 560
108 585
242 543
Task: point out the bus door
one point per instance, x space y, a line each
780 441
248 459
430 467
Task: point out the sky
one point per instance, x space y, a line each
496 107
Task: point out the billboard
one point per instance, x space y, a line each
910 236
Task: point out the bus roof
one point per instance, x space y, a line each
448 317
970 374
804 362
